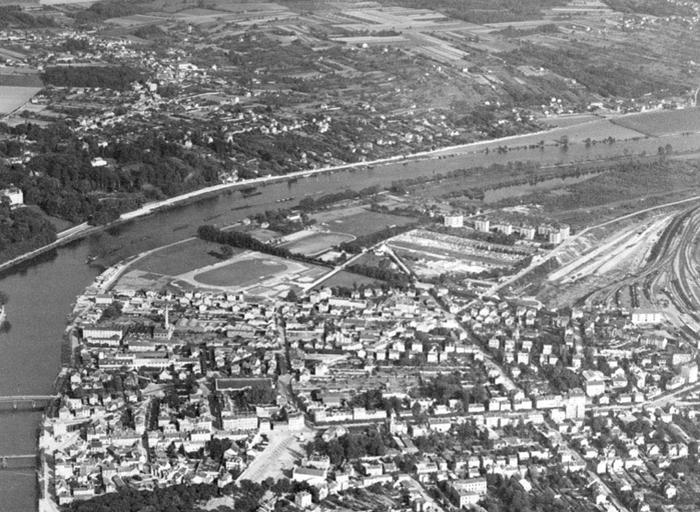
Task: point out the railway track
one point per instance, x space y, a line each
662 255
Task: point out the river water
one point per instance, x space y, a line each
41 294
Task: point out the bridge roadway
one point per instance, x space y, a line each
26 460
27 398
26 402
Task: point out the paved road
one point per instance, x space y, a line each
660 401
333 272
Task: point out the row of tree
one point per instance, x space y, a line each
349 446
310 204
246 241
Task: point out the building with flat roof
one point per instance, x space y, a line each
454 221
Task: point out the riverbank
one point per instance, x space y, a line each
480 148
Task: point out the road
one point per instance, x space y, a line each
333 272
555 434
660 401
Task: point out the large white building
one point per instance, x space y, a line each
454 221
594 382
483 225
641 316
467 492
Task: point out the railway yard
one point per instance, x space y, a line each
649 264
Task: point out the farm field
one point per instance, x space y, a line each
317 243
12 97
665 122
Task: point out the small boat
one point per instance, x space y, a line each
3 314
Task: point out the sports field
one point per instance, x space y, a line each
242 273
183 257
360 221
317 243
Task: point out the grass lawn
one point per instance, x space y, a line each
366 222
348 280
181 258
317 243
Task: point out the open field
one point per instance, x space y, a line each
12 97
181 258
253 273
430 254
620 190
277 458
665 122
317 243
348 280
359 222
241 273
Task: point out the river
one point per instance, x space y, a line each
41 293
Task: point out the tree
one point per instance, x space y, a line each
226 251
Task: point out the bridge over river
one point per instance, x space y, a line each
26 402
20 461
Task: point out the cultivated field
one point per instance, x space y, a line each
11 97
665 122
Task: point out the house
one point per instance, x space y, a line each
483 225
14 195
594 383
467 492
303 499
311 475
454 221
